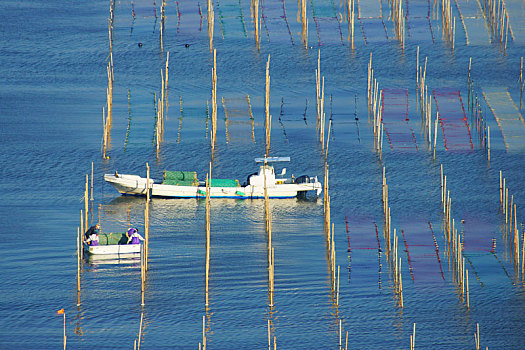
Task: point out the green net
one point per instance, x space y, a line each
180 175
180 178
181 182
112 238
224 183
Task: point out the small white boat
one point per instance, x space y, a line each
112 244
184 184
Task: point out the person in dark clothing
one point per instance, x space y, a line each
92 230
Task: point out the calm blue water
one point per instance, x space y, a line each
53 61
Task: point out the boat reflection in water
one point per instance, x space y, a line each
113 259
122 209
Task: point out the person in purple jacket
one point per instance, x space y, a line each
134 237
92 239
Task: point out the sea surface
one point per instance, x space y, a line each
53 61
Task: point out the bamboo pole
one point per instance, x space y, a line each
340 334
271 276
79 247
522 254
352 22
146 236
142 275
214 102
140 330
256 23
516 242
506 211
86 205
64 335
204 340
211 18
510 230
417 67
337 300
91 180
435 135
414 337
503 206
488 143
400 285
468 291
208 232
454 34
476 336
500 189
82 229
269 337
267 106
521 79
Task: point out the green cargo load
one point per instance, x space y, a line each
180 178
180 175
181 183
112 238
224 183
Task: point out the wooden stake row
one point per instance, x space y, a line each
329 227
413 338
391 244
160 110
476 114
425 103
375 105
454 242
448 22
319 89
498 20
512 233
398 18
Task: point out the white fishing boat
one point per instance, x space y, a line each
111 244
184 184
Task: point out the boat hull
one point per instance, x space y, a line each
112 249
136 185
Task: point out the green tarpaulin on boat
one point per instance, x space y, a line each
181 182
180 178
224 183
180 175
112 238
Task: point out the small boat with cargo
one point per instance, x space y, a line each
111 244
185 184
